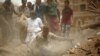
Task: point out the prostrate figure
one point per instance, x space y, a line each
45 35
47 43
42 39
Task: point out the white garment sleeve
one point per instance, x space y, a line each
29 25
40 22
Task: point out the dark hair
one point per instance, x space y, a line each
23 0
66 1
8 2
49 0
29 2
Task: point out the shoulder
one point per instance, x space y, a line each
38 19
70 9
19 6
42 4
39 36
2 9
52 35
33 5
29 19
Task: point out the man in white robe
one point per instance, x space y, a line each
34 26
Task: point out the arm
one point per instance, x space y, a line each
12 6
58 13
53 36
62 13
41 24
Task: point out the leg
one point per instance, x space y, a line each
63 29
68 30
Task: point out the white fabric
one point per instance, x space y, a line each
34 7
34 26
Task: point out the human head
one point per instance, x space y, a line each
29 4
38 2
24 2
45 30
66 2
8 2
32 15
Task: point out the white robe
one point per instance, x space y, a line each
34 26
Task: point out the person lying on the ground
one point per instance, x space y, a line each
45 36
